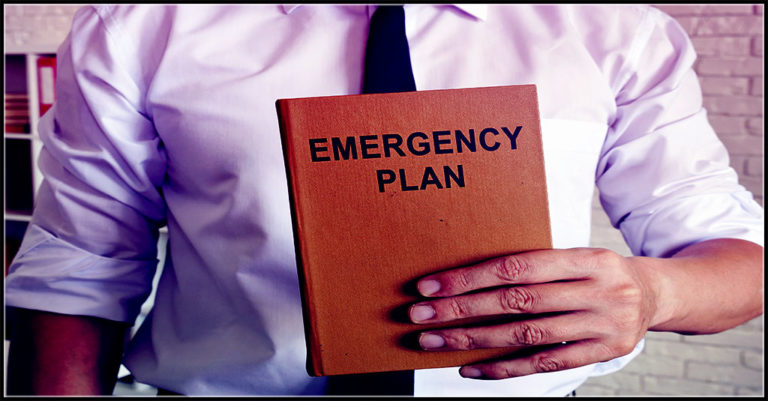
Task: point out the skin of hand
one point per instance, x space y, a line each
587 305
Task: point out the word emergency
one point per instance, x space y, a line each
415 144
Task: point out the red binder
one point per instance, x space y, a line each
46 78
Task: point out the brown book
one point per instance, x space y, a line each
387 188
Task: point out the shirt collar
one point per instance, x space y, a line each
288 8
478 11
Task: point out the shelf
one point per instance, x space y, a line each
15 216
14 135
50 48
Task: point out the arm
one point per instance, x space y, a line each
708 287
90 249
54 354
599 302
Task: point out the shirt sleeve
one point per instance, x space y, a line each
664 176
91 247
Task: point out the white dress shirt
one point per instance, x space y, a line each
166 115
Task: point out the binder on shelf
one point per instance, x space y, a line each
387 188
46 76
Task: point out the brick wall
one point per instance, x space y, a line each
729 40
36 26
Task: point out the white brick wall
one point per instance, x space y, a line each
729 41
36 26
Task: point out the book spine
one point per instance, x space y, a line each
542 171
314 359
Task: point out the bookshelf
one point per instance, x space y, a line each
20 137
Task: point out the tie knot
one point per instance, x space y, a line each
388 11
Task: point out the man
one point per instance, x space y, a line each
165 115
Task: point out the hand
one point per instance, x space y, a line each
606 305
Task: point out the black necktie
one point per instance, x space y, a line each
387 59
387 69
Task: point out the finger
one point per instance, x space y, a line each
541 331
562 357
523 299
522 268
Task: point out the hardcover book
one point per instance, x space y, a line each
387 188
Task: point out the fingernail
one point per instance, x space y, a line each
469 371
430 341
421 312
428 287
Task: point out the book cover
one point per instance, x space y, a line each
387 188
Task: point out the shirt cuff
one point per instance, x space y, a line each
51 275
663 232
